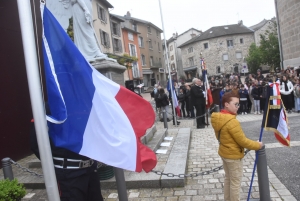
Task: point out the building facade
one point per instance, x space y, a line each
223 49
289 35
174 53
262 28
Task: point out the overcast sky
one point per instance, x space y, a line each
180 15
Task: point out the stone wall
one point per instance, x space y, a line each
217 47
289 21
269 26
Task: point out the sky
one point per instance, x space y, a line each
181 15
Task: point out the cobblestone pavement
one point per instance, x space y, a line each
202 156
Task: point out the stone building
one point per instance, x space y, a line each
288 12
175 58
263 27
223 49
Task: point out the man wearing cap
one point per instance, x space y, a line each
259 76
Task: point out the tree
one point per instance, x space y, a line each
269 47
254 59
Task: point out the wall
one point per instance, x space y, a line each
289 21
213 56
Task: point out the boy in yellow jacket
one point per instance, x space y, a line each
232 143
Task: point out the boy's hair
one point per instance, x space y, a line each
228 96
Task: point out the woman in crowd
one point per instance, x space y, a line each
255 93
189 106
297 96
286 89
232 142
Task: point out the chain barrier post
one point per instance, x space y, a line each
262 174
121 184
7 169
217 108
165 118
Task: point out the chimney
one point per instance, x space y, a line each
128 14
240 22
174 35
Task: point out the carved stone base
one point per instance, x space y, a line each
108 65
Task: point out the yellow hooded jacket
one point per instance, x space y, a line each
232 138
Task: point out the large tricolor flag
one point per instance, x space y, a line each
90 114
275 118
173 94
208 96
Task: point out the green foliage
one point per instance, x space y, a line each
11 190
254 58
124 60
268 51
70 30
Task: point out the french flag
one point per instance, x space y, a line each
90 114
275 118
208 95
173 94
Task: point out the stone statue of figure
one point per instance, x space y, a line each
84 34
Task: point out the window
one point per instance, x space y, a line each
141 41
149 29
104 39
102 14
229 43
151 61
132 50
171 47
173 67
143 60
191 61
172 57
150 44
159 60
191 49
238 55
115 29
218 69
157 33
241 40
158 47
205 45
117 45
134 27
135 70
130 36
225 57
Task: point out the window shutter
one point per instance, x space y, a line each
104 13
112 28
130 50
108 41
114 45
99 14
102 37
120 45
118 30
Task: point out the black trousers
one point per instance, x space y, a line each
183 109
200 111
79 184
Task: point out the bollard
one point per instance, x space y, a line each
7 169
165 118
121 185
217 108
262 174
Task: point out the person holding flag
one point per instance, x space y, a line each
198 100
232 142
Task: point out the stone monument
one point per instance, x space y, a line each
84 34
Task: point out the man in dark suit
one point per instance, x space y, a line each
198 100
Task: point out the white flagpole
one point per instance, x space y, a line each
36 98
166 51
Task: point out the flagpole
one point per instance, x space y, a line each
35 92
170 79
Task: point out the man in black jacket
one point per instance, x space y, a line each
198 100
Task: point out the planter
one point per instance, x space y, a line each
105 172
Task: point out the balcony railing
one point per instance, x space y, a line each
156 65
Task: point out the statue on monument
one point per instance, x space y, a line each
84 35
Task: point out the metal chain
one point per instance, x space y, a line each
200 115
26 169
192 175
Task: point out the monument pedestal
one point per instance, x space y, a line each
110 68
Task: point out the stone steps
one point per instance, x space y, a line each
173 162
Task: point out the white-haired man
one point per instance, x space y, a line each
198 100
